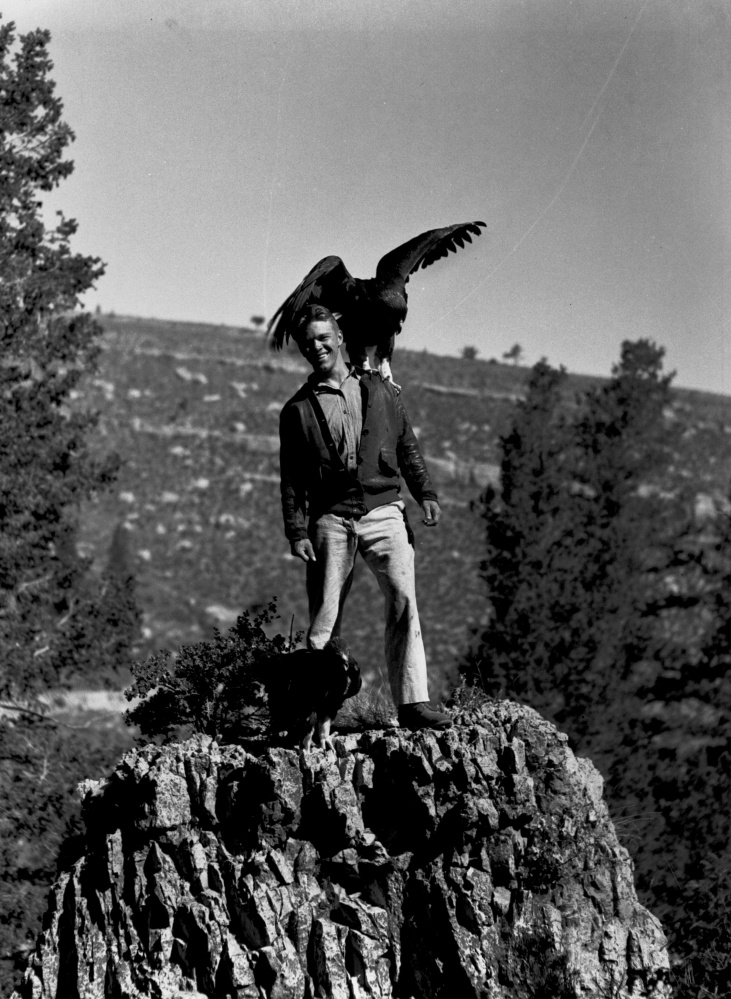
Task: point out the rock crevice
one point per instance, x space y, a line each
476 862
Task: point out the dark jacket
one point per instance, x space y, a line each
314 479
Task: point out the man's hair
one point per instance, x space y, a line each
311 314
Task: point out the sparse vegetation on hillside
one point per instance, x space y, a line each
199 490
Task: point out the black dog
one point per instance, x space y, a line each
307 688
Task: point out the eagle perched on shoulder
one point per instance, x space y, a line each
370 311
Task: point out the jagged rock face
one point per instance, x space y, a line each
476 862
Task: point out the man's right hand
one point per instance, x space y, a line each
303 549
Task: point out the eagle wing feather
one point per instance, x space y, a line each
423 250
329 281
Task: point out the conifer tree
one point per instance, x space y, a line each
46 346
54 621
611 612
572 539
521 525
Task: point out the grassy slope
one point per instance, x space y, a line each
193 410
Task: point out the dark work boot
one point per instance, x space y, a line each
422 715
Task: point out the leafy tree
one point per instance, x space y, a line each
257 321
469 353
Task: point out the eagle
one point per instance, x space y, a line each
370 311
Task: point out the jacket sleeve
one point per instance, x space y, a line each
292 477
411 460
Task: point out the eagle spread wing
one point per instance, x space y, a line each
329 282
425 249
372 310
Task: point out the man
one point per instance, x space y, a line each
344 439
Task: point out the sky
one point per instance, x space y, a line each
224 146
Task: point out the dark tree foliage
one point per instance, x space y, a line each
671 772
571 540
46 346
521 533
57 621
40 821
211 687
611 612
514 354
100 636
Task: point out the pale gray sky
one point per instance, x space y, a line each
224 147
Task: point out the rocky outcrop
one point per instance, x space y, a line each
476 862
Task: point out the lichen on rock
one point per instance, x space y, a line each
475 862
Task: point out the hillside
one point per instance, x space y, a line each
193 411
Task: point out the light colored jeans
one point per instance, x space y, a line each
381 538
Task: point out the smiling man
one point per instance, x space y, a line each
345 439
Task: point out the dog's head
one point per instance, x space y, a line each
339 653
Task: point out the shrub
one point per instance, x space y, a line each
210 687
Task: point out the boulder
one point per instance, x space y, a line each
475 862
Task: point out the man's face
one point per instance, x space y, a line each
320 345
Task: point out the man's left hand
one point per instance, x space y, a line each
432 512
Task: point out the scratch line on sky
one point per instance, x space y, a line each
562 185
